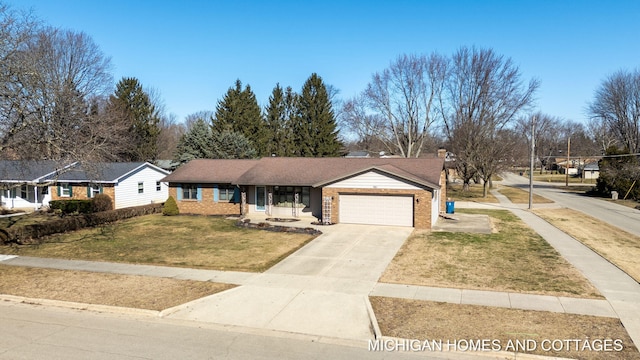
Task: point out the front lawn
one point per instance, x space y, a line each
132 291
514 258
519 196
437 321
474 193
185 241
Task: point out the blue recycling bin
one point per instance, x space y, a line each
450 207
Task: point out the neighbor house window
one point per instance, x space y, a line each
285 195
64 190
93 190
140 187
158 186
190 191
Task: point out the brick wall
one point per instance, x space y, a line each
206 206
79 192
421 203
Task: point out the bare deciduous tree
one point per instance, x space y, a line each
617 106
171 132
484 95
59 76
404 99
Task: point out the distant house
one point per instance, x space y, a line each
396 191
591 171
32 184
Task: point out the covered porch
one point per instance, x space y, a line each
24 195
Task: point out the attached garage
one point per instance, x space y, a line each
376 209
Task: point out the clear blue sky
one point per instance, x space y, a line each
193 51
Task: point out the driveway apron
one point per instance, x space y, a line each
321 289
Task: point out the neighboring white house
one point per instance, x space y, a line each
25 184
32 184
128 184
591 171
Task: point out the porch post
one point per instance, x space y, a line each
35 197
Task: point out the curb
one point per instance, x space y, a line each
80 306
373 321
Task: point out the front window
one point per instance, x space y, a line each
285 195
65 190
94 190
190 192
225 193
140 188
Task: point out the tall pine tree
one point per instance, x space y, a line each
315 127
239 112
197 143
140 113
279 115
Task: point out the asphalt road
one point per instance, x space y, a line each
625 218
36 332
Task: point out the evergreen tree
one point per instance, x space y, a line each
239 112
232 145
619 171
140 113
279 114
315 127
197 143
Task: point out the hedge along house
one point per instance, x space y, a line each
127 184
391 191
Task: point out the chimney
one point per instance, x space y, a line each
442 153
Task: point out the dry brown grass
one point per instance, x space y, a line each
514 259
561 178
615 245
425 320
519 196
186 241
131 291
455 192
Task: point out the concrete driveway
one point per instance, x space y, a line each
321 289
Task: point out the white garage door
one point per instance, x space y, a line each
376 210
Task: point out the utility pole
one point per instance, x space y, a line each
531 160
566 169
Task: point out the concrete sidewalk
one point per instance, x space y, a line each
621 291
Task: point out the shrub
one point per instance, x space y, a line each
102 202
170 207
28 233
72 206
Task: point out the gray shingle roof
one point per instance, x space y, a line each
28 170
100 172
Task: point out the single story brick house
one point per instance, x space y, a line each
381 191
32 184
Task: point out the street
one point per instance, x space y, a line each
625 218
36 332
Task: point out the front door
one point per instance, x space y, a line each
261 198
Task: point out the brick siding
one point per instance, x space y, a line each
206 206
79 192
